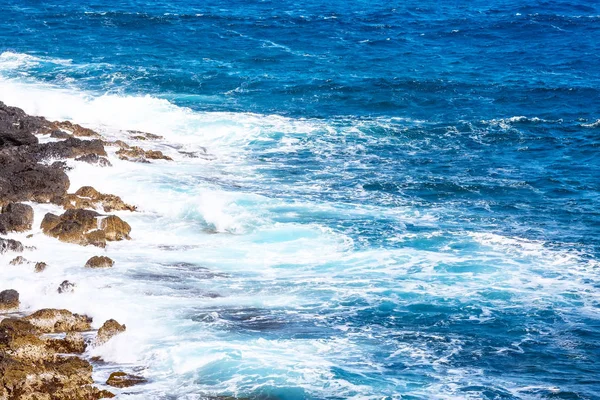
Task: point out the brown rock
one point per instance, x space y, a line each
75 129
16 217
122 380
108 330
88 197
99 262
19 260
85 227
40 266
73 343
9 300
49 320
115 228
138 154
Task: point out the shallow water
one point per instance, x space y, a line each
368 200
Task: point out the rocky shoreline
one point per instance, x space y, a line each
42 353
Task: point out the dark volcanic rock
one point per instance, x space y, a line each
95 159
17 128
66 287
10 245
16 217
9 299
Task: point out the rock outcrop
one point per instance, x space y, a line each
123 380
85 227
32 367
88 197
9 300
95 159
99 262
108 330
16 217
50 320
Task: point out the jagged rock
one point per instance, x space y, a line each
85 227
10 245
73 343
117 143
58 134
139 135
66 287
108 330
19 260
138 154
115 228
16 217
75 129
40 266
17 128
88 197
99 262
69 148
23 179
122 380
95 159
50 320
9 300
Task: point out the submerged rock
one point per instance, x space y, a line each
50 320
16 217
19 260
10 245
75 129
99 262
9 300
40 266
66 287
85 227
88 197
122 380
108 330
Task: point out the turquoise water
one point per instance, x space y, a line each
397 200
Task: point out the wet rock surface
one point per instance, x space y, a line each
50 320
88 197
123 380
16 217
9 300
7 245
99 262
108 330
66 287
85 227
134 153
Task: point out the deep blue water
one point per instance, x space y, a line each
457 145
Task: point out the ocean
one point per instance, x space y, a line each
368 200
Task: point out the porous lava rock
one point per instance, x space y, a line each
108 330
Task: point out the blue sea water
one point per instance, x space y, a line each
399 200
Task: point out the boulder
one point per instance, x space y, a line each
10 245
88 197
9 300
16 217
50 320
108 330
123 380
99 262
66 287
85 227
138 154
